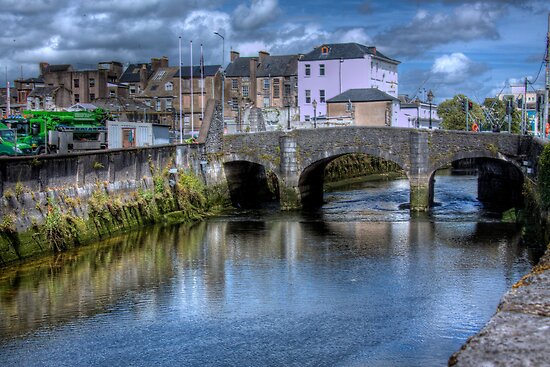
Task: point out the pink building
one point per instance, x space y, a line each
332 69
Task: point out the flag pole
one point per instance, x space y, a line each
191 68
202 84
180 92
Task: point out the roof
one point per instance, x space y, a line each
239 67
362 95
43 91
82 106
131 74
345 51
286 65
185 71
157 81
114 104
60 67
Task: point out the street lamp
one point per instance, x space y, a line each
314 114
430 99
223 75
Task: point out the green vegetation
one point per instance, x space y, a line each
544 177
357 165
454 117
178 198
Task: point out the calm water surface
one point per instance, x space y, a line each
358 283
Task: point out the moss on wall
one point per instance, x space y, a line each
170 199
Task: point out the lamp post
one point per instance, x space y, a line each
223 75
430 99
314 114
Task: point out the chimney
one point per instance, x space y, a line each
253 68
155 64
143 77
374 51
262 54
234 55
164 62
43 67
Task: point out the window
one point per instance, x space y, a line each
92 96
158 105
266 101
76 98
308 96
168 103
112 93
169 86
276 88
132 89
234 84
76 83
234 103
92 82
322 69
307 117
266 84
322 96
308 69
287 90
324 50
159 75
245 91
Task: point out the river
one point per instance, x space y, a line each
360 282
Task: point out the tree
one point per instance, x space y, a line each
454 117
497 110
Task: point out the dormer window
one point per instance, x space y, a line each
168 86
324 50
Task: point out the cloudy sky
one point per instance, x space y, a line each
449 46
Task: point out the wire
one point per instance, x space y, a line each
540 69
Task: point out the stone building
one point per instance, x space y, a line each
267 82
85 84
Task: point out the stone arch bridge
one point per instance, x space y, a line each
298 158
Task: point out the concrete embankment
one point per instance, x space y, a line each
519 333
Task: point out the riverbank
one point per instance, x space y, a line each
518 334
70 221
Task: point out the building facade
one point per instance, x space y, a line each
332 69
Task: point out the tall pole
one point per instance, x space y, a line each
181 106
524 120
202 84
8 102
223 75
191 72
546 89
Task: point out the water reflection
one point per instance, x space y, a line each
328 288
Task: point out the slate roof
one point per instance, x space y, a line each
344 51
43 91
286 65
209 70
131 74
56 68
239 68
362 95
157 81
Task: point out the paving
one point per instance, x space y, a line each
519 333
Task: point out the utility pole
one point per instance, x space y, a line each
467 113
547 86
524 110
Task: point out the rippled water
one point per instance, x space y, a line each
358 283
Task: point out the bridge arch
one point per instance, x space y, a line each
312 177
500 179
250 184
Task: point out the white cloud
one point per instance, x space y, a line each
453 64
257 15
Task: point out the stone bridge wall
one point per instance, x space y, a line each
298 157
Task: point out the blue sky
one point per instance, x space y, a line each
448 46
